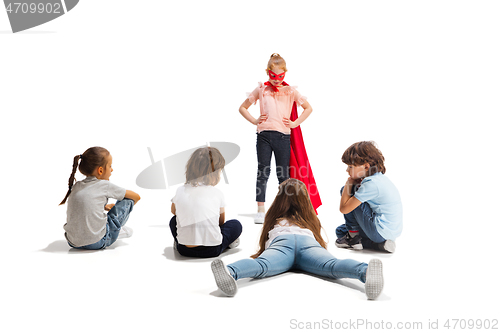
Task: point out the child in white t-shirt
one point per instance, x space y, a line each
198 226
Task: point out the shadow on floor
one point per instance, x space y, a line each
172 254
61 246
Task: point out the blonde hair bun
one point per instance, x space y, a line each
276 61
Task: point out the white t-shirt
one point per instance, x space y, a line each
284 227
86 217
197 209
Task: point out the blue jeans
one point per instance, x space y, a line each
230 231
267 143
299 252
117 217
361 219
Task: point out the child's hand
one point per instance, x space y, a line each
261 119
288 123
352 181
109 206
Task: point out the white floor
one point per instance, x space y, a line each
420 79
141 284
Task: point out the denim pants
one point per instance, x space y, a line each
117 217
230 231
298 252
267 143
361 219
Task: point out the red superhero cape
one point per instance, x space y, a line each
299 163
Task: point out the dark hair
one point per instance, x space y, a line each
363 152
91 159
202 166
293 204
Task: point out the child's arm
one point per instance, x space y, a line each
222 216
172 208
347 202
132 195
244 112
306 113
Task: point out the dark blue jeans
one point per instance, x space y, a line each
267 143
230 231
361 219
117 217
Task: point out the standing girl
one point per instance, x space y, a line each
198 225
274 126
291 239
88 226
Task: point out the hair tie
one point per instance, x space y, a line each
80 156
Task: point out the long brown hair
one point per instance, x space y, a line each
293 204
363 152
204 166
91 159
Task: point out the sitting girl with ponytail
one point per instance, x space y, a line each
88 226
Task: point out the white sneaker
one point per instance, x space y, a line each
234 244
225 282
374 279
389 246
125 232
259 218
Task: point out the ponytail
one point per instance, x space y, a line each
91 159
71 179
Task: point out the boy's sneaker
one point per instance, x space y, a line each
125 232
259 218
234 244
348 242
388 246
225 282
374 279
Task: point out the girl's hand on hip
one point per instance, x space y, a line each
261 119
288 123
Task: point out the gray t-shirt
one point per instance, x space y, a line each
86 217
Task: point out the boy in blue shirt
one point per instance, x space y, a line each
369 201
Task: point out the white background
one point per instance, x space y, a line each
420 78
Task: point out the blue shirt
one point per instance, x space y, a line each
384 200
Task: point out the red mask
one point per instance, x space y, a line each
274 76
